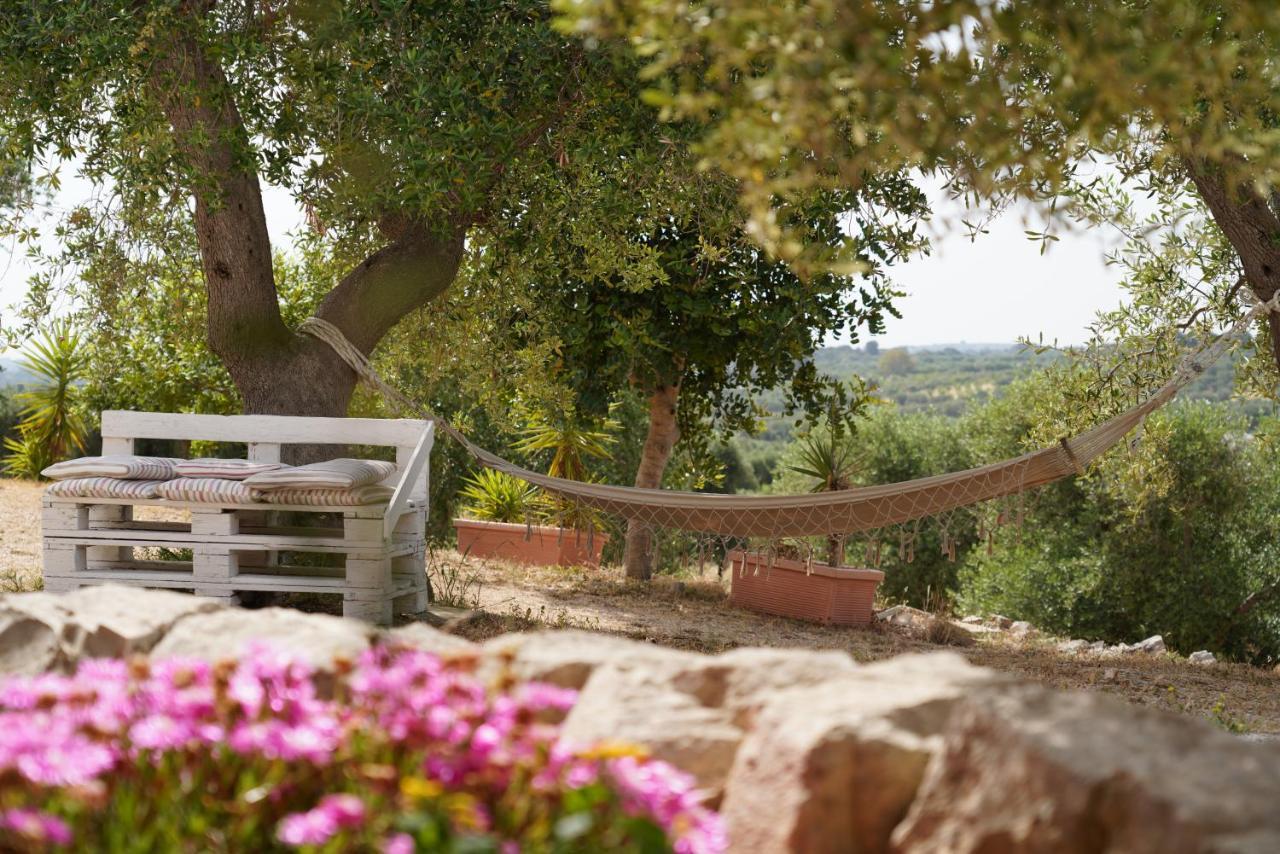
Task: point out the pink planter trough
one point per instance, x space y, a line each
540 545
840 595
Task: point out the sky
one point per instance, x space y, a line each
994 289
998 288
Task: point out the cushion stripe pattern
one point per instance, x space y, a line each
120 466
225 469
330 497
104 487
333 474
208 490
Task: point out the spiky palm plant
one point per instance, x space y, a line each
571 443
52 427
831 460
494 496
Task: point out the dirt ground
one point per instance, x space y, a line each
695 614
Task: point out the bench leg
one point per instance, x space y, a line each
377 611
219 594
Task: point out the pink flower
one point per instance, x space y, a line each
539 696
306 828
318 825
399 843
36 826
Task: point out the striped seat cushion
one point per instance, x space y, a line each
332 474
208 490
104 487
225 469
120 466
330 497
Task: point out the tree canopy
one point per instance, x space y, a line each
1003 99
400 127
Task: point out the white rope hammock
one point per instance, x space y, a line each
825 513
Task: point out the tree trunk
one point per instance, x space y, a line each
835 550
1253 229
276 370
664 432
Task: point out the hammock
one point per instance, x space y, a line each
825 513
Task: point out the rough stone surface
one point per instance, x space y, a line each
692 710
905 615
567 658
424 637
1073 647
833 767
1022 629
1036 770
318 639
1202 656
31 626
42 631
1153 645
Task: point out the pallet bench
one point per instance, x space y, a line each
373 555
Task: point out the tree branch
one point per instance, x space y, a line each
1253 229
415 268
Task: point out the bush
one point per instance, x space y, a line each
402 753
892 448
1173 536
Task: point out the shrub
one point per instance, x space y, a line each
401 752
494 496
892 448
1173 536
51 428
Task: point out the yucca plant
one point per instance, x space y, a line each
494 496
52 427
571 443
829 458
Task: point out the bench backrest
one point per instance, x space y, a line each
267 434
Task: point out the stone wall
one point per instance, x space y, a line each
802 751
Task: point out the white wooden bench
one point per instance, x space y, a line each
237 548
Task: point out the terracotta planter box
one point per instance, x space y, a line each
541 545
840 595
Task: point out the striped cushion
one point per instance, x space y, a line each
225 469
330 497
333 474
209 490
122 466
104 487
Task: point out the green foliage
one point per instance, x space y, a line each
1172 536
828 457
52 426
494 496
894 448
1002 97
896 362
570 442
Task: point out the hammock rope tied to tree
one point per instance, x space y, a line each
825 514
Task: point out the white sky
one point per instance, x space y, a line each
991 290
997 287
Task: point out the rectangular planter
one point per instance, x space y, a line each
840 595
539 545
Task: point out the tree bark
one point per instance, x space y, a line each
664 432
276 370
1253 229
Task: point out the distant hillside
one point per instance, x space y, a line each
14 375
946 379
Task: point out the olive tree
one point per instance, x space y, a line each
641 279
1003 99
399 127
